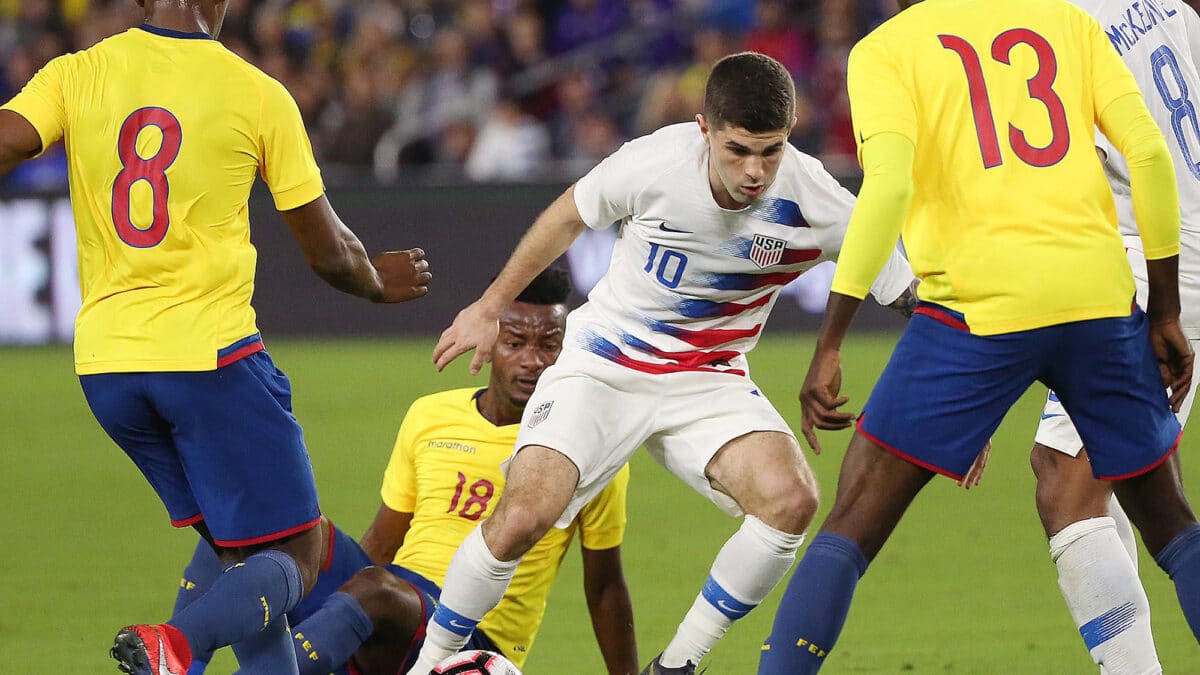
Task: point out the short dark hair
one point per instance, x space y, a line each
752 91
551 287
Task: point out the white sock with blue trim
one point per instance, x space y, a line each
475 583
749 565
1105 597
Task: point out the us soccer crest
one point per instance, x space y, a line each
767 251
539 414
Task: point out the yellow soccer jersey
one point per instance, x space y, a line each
164 135
445 470
1012 222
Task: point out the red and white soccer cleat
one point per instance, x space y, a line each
151 650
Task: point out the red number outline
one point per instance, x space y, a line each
152 170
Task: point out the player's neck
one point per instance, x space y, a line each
183 18
496 409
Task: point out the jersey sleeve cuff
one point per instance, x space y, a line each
399 503
43 124
299 195
603 539
1160 252
851 289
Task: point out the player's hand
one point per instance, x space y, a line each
819 397
404 275
476 327
976 471
1175 359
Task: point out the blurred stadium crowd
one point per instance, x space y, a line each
485 90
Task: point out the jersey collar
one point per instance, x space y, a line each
167 32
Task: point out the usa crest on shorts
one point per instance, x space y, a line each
766 251
539 414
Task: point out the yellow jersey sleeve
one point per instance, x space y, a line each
42 101
602 520
1151 174
879 100
286 157
878 214
1111 78
399 491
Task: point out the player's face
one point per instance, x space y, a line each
741 164
529 342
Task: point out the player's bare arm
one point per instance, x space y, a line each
476 326
338 257
611 609
386 534
820 396
19 141
1171 346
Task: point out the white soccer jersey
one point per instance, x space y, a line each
1160 42
690 284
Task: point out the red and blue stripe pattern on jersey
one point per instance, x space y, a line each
683 361
748 282
693 308
239 350
703 338
779 211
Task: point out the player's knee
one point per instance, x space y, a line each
790 505
385 598
515 527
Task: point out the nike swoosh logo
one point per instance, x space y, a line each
732 610
1047 416
664 228
454 623
163 668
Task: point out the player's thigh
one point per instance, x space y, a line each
242 449
1107 377
1067 492
945 390
721 436
593 413
875 487
126 412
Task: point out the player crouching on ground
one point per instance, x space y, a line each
443 477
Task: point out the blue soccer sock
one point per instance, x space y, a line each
199 576
1180 559
814 607
328 638
260 653
244 601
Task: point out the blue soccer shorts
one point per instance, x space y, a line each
219 446
430 594
945 391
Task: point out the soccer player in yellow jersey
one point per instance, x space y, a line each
443 477
165 131
975 121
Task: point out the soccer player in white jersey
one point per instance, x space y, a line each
1089 533
714 218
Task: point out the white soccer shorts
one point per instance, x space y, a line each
598 413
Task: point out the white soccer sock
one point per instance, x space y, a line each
1124 529
475 582
750 564
1105 597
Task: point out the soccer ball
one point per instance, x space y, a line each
476 662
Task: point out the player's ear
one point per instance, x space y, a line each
795 120
703 124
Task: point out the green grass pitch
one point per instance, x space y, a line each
964 586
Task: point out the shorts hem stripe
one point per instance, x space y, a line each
1157 463
902 455
235 543
188 522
